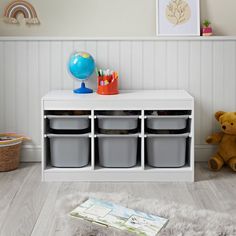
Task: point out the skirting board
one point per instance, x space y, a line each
33 153
30 153
204 152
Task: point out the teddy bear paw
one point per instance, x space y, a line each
209 140
232 163
215 163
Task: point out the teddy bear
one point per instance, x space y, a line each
226 139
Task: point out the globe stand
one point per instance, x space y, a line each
83 89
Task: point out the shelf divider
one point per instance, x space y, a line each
92 140
142 141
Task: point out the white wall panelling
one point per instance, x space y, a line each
29 68
2 85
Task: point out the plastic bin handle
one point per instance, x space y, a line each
168 117
117 135
120 117
67 135
66 117
185 135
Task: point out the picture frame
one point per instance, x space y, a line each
178 18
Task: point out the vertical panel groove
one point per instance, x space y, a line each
131 62
213 85
50 66
200 93
2 86
15 87
189 56
27 87
177 54
61 67
154 66
142 66
235 73
166 65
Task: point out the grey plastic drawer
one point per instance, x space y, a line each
69 150
166 150
117 151
117 122
167 122
68 122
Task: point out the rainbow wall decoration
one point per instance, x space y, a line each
23 7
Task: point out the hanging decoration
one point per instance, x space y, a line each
19 6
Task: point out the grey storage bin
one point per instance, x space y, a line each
117 122
166 150
167 122
69 150
117 151
68 122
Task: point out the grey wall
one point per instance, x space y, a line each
100 18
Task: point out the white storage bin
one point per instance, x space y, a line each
166 150
167 122
117 151
68 122
117 122
69 150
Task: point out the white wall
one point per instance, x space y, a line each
110 18
205 68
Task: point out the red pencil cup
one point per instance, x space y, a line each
109 89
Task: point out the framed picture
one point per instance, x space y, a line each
178 17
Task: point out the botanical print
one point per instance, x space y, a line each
178 12
112 215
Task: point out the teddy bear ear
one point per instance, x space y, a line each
218 114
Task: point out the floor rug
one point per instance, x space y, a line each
184 220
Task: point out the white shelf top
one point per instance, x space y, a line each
126 95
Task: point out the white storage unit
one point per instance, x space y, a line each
142 101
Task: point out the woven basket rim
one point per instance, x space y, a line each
12 141
10 144
16 138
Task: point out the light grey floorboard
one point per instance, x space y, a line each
30 209
25 207
214 190
10 184
45 224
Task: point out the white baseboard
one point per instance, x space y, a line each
204 152
32 153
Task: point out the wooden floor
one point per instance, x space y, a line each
27 205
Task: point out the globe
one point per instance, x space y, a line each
81 66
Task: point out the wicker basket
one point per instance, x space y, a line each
10 152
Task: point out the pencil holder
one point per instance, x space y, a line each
107 85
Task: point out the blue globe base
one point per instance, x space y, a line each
83 89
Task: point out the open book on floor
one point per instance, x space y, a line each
109 214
